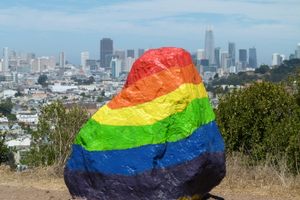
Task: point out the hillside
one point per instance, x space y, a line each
276 74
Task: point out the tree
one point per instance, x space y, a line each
91 80
57 128
6 107
99 99
4 151
42 80
262 69
11 117
261 121
19 94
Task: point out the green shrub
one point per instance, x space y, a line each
261 121
57 128
4 151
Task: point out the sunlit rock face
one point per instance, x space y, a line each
157 139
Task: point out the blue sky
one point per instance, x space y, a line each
49 26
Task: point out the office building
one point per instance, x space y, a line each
42 64
129 63
62 60
5 64
115 66
141 52
231 53
276 59
217 57
91 64
252 58
243 58
84 56
298 51
106 52
225 60
209 46
120 54
130 53
200 54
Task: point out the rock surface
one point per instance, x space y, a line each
157 139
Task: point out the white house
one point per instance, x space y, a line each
27 117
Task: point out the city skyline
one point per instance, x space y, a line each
49 27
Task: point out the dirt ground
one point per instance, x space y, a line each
39 185
8 192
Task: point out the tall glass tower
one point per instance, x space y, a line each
252 57
5 60
231 53
209 46
106 52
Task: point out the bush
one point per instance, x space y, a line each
261 121
4 151
57 128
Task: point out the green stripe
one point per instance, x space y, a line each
98 137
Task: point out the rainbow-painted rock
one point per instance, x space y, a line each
156 139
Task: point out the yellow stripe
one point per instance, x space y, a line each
150 112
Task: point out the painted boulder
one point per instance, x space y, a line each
156 139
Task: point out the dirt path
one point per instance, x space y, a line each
31 193
8 192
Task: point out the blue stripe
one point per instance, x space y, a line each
206 139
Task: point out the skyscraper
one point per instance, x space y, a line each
200 54
225 60
141 52
84 57
276 59
130 53
252 57
62 60
298 51
5 64
243 57
106 52
217 57
209 46
231 53
115 65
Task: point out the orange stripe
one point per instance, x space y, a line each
157 60
156 85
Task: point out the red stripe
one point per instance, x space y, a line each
157 60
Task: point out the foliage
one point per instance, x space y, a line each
11 117
261 121
42 80
99 99
19 94
264 72
4 151
6 107
84 81
262 69
236 79
55 134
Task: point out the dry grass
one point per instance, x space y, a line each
41 178
264 179
241 182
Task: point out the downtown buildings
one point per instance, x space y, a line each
209 46
214 60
